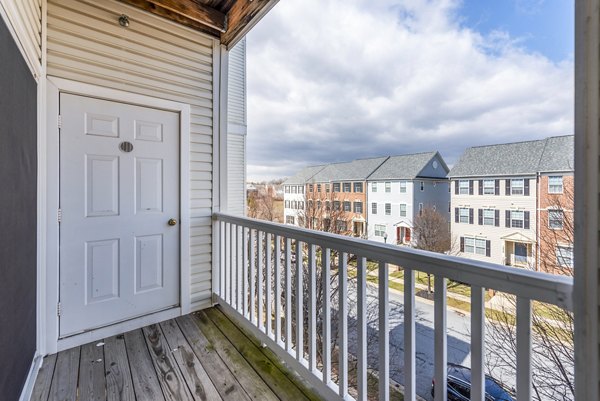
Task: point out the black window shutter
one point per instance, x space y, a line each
526 223
471 216
497 189
480 216
456 187
488 248
462 244
507 192
470 187
480 187
508 218
497 218
456 215
526 190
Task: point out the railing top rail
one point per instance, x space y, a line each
534 285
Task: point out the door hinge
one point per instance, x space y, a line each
59 121
58 309
59 215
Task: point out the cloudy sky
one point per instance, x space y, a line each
335 80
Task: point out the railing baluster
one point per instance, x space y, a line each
222 265
268 295
440 343
278 289
238 270
524 389
299 303
477 343
312 308
228 266
245 271
253 277
384 333
232 263
409 336
288 294
259 278
361 305
327 315
343 323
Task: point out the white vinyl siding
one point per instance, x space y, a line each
236 174
26 18
236 94
151 57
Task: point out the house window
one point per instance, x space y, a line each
463 215
294 189
327 206
489 217
358 207
463 187
294 204
374 208
564 256
347 187
318 187
287 204
311 187
420 209
555 184
347 206
379 230
301 189
358 187
388 187
301 203
287 189
516 186
290 219
336 205
555 219
475 245
373 187
517 218
489 187
402 187
327 188
336 187
422 186
402 210
388 209
341 225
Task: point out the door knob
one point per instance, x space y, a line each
172 222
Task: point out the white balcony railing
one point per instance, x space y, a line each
258 281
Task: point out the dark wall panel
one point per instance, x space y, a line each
18 175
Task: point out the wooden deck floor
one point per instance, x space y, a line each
203 356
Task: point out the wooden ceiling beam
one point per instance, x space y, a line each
186 12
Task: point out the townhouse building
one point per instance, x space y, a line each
294 195
555 206
338 195
400 189
496 199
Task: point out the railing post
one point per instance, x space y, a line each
409 336
288 294
245 271
299 302
477 343
312 308
278 289
361 307
253 277
343 323
384 333
259 277
524 388
326 315
269 313
441 340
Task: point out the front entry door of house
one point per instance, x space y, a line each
119 201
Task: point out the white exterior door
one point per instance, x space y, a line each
119 187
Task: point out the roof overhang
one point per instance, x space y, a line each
226 20
518 237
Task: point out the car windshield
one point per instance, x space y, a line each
494 389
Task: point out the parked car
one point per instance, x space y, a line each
459 386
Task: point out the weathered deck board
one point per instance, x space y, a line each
119 385
193 358
192 370
64 382
145 382
169 376
277 380
41 389
92 381
224 380
246 375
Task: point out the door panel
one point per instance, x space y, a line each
119 186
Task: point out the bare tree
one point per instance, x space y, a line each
553 358
325 210
264 204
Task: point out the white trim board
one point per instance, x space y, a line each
55 86
27 390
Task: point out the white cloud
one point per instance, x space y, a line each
333 80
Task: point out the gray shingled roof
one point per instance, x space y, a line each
355 170
559 154
304 175
519 158
404 167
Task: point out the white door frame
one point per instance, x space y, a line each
56 86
